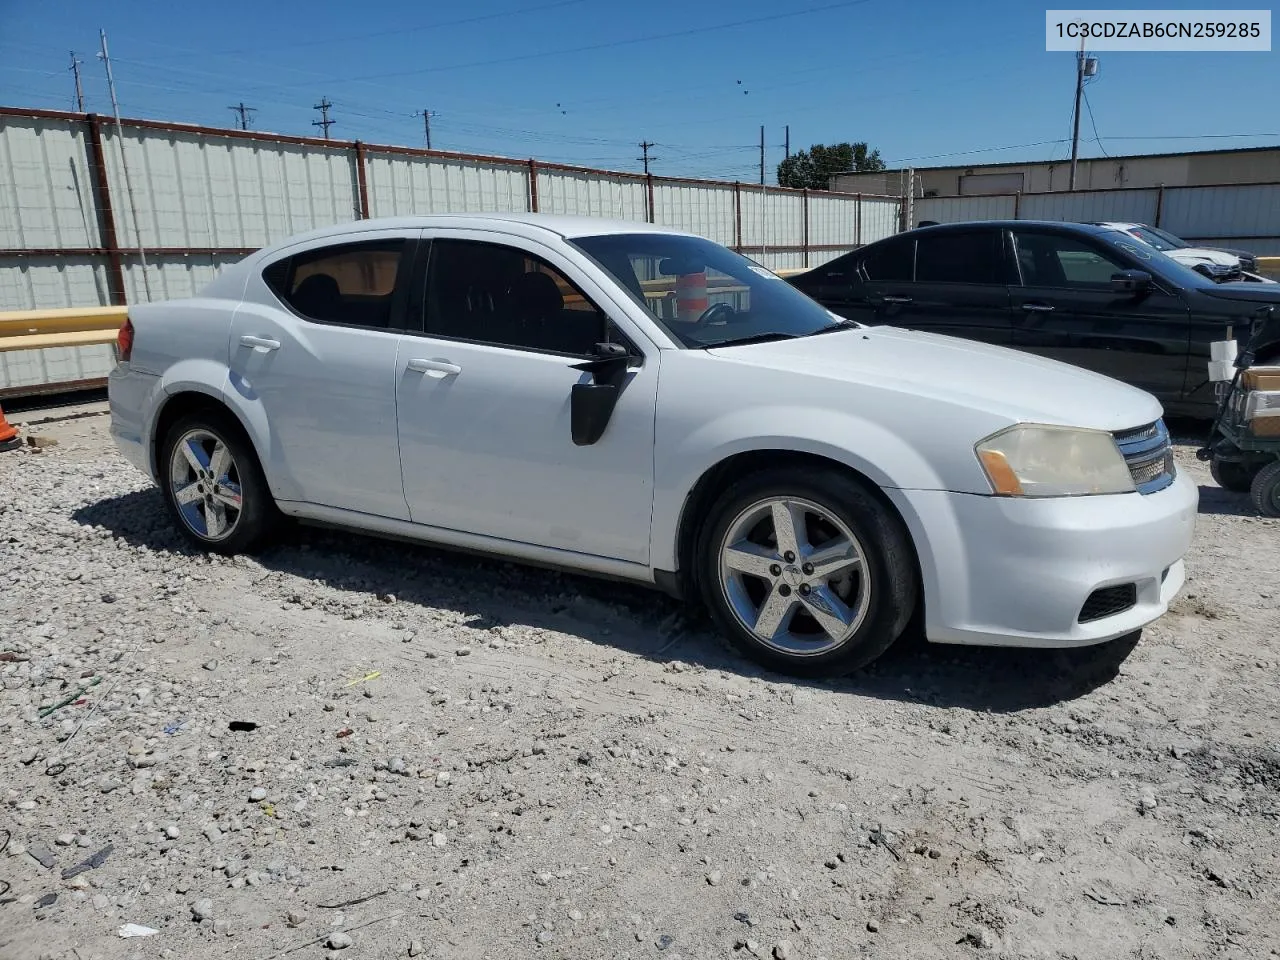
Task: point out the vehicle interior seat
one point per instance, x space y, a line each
319 297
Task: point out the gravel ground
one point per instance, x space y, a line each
456 758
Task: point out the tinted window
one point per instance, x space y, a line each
1053 260
888 261
350 284
500 295
954 257
703 294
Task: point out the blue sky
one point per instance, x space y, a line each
583 81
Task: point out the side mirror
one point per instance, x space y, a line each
1130 281
591 404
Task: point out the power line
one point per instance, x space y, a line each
1093 123
324 121
610 44
244 112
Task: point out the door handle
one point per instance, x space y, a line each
264 343
890 299
1037 308
434 368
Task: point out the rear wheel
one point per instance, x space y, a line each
214 485
807 574
1232 475
1265 490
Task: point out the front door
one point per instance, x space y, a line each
484 405
314 344
1064 308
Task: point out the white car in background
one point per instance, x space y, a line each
619 399
1215 263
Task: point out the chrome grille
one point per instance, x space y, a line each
1149 453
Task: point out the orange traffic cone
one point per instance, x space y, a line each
8 434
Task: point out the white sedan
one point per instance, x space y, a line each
623 400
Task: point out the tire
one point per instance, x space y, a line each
1265 490
1232 475
840 613
204 436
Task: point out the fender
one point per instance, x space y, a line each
885 458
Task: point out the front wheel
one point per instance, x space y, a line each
1265 490
214 485
806 573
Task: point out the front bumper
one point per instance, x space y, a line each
1013 572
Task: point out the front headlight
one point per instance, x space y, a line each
1037 460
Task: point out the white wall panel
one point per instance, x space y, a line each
960 209
705 210
46 185
46 283
1248 210
592 195
879 219
400 185
832 220
772 217
1136 206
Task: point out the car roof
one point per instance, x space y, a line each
1064 226
559 224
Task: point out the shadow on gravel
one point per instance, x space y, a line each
489 594
1224 503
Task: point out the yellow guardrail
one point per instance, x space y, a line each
72 327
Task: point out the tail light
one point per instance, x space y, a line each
124 341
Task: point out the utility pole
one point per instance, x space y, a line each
787 145
426 125
244 112
75 69
644 146
124 166
762 154
324 121
1075 121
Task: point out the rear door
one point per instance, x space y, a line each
854 286
961 286
1063 307
314 344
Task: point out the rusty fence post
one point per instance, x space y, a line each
361 185
1159 204
737 216
533 185
804 215
106 214
648 178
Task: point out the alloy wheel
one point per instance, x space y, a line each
204 481
795 576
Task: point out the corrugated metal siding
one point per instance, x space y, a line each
776 219
832 220
405 186
190 187
879 219
1240 211
707 211
46 188
173 276
587 195
1137 206
959 209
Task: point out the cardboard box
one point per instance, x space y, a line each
1260 378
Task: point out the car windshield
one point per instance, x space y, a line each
1156 261
705 295
1158 238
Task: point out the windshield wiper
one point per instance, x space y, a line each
757 338
834 327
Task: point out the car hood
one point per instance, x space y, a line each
1263 294
1199 254
1018 386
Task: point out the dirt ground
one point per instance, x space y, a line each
458 758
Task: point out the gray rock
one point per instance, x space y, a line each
714 878
202 909
257 794
544 936
782 950
295 918
873 926
172 832
339 940
415 947
397 766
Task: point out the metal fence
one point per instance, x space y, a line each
1245 215
72 234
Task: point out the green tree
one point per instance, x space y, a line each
813 168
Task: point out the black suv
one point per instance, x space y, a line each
1083 294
